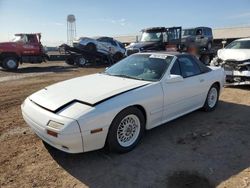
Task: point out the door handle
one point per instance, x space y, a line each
202 80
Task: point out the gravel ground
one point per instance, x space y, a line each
198 150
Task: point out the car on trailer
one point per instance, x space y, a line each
105 45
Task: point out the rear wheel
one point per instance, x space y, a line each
212 98
205 59
10 63
117 56
126 130
70 61
81 62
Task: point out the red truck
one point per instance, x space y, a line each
24 48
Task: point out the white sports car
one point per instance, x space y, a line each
115 107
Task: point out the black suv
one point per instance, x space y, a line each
201 37
155 39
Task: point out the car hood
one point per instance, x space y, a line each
144 45
234 54
90 90
7 44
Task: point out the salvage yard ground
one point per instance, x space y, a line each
203 149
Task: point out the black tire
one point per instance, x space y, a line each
117 56
205 59
81 61
10 63
2 65
70 61
112 139
91 47
207 105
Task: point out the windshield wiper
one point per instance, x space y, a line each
126 76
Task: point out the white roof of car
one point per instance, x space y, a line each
244 39
170 53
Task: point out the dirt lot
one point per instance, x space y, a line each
198 150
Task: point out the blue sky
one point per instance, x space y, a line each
114 17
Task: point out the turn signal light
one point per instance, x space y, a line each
55 125
52 133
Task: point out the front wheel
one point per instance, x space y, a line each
212 98
117 56
10 63
126 130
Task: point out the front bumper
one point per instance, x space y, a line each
130 51
69 138
234 77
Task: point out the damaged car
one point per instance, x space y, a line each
115 107
235 59
105 45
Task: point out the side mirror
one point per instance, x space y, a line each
174 78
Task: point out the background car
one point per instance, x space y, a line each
155 39
115 107
235 59
201 37
106 45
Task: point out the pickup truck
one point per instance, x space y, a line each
24 48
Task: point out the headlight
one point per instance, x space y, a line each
55 125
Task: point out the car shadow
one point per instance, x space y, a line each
243 87
54 69
215 145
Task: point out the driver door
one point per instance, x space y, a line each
183 96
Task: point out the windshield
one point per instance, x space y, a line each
187 32
20 38
243 44
152 36
141 66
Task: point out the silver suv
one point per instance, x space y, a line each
201 37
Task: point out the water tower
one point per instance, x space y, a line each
71 28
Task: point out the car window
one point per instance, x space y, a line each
203 68
121 44
176 68
31 38
113 42
205 31
101 39
199 32
240 44
209 32
188 67
149 67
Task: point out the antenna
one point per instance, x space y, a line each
71 29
